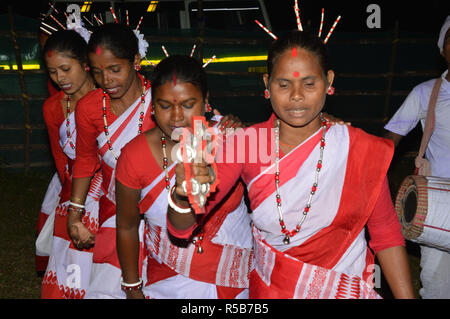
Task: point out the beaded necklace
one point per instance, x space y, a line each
165 161
141 117
68 122
288 234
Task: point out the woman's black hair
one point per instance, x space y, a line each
68 42
303 39
184 69
117 38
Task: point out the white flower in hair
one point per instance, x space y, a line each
79 28
142 43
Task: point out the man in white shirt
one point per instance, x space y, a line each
435 263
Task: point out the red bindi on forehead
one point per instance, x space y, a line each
296 74
49 53
98 51
294 52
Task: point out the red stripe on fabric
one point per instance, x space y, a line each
106 209
285 274
370 260
105 247
51 291
329 285
60 226
439 189
438 228
259 290
228 292
367 164
150 198
119 130
157 272
180 233
303 280
206 263
264 186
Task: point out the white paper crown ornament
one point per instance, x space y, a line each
299 24
142 43
79 28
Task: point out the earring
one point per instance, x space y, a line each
137 67
208 107
330 90
266 94
87 68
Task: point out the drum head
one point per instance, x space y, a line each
409 204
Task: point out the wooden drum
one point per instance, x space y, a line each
423 208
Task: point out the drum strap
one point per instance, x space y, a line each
427 131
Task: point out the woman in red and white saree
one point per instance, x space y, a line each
107 119
312 187
68 269
214 263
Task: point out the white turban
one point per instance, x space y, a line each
444 30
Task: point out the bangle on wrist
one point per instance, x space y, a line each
76 205
175 207
131 287
76 209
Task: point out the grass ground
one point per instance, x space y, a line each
21 196
20 200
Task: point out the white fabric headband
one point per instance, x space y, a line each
444 30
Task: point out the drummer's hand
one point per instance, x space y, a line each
332 120
81 236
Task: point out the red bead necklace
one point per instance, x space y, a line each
141 117
68 122
288 234
165 161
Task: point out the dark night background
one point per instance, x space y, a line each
372 80
417 16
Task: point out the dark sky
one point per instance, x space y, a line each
418 16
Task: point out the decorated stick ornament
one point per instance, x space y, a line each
88 21
297 15
209 61
332 29
321 22
100 22
51 5
267 30
49 26
59 23
193 49
113 14
165 51
46 31
139 23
